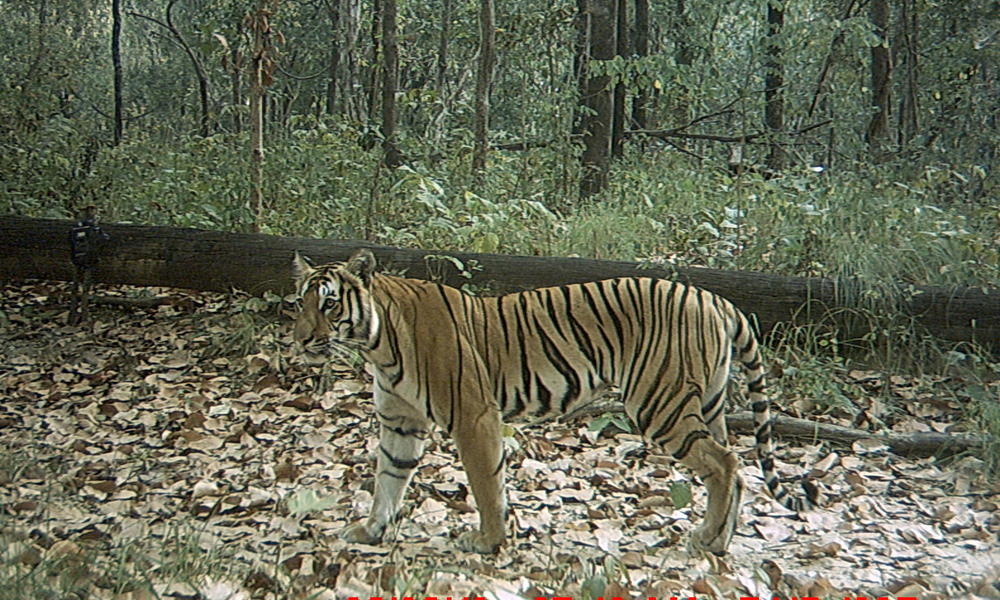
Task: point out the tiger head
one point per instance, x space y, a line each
335 305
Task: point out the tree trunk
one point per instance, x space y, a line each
641 50
484 81
211 260
828 61
881 70
581 62
684 54
235 70
441 60
333 62
618 99
774 75
116 61
390 81
597 98
375 64
909 107
204 123
917 443
353 106
257 119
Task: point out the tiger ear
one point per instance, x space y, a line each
362 265
301 266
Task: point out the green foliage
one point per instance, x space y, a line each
616 420
680 494
985 411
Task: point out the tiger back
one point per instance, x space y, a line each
444 357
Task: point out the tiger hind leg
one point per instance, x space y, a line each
718 468
694 444
401 443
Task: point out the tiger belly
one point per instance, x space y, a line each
539 397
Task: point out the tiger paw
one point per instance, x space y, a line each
697 544
475 541
358 534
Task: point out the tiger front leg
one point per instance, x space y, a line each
401 443
481 449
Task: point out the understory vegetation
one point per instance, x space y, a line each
875 223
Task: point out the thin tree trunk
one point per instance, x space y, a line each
373 77
484 80
235 69
909 123
334 60
597 98
774 104
442 55
641 49
351 103
390 82
116 60
204 124
824 72
257 116
881 70
684 57
618 109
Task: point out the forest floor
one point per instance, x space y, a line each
178 451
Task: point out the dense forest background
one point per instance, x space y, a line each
813 137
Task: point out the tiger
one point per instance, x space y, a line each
461 362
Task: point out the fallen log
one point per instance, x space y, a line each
219 261
918 443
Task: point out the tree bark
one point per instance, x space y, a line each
116 61
641 49
390 82
375 65
684 54
618 99
581 62
235 70
909 107
204 124
881 69
906 444
210 260
333 62
597 99
484 81
774 81
352 103
257 116
441 60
